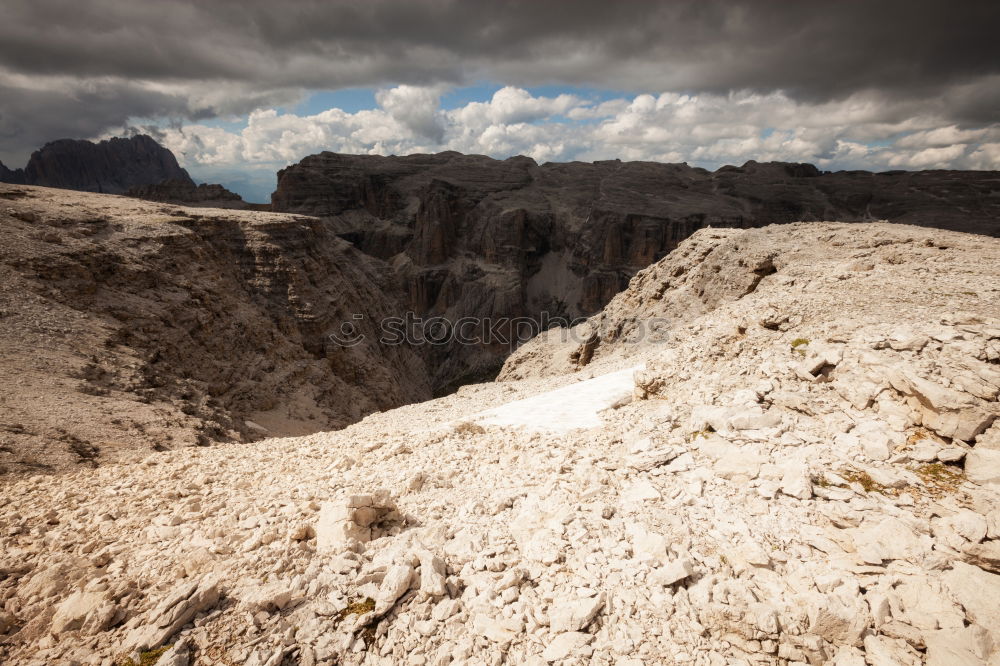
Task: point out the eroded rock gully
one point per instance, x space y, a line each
807 472
128 325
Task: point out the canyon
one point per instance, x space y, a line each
201 324
779 443
547 334
503 240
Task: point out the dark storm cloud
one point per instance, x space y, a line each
30 117
815 48
814 51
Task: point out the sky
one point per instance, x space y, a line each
238 89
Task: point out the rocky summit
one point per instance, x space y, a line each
778 445
111 166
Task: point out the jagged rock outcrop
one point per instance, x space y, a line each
127 325
470 236
188 194
111 166
15 176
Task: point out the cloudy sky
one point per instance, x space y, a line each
238 89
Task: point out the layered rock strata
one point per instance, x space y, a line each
500 240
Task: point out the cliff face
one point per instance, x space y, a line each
471 236
126 324
111 166
186 192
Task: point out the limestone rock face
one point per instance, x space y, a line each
470 236
111 166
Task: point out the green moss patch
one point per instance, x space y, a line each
798 345
148 658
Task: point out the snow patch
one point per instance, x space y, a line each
568 408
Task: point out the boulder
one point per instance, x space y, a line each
565 644
539 526
875 439
575 615
6 622
179 654
739 464
984 555
977 591
967 524
839 618
498 630
889 539
920 602
796 482
177 609
268 598
395 584
72 612
432 574
982 466
647 546
950 413
344 523
884 651
965 646
672 572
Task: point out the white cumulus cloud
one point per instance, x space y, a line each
704 129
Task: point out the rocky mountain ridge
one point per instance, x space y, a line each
111 166
782 447
188 194
470 236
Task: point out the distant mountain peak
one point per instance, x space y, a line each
111 166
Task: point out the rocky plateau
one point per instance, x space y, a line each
777 445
